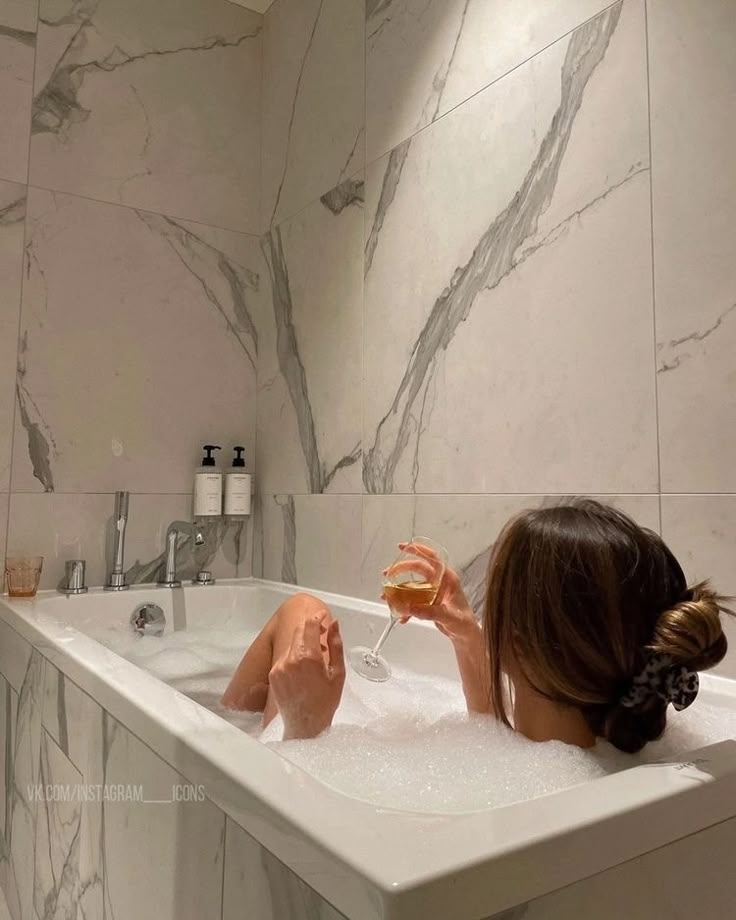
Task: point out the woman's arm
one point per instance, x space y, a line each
472 662
453 616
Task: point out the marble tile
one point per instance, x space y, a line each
701 531
258 6
653 885
19 14
8 711
17 51
311 540
9 727
75 723
70 717
16 867
424 57
161 858
310 354
257 885
466 525
693 74
138 345
4 912
523 359
4 502
79 526
12 223
56 886
15 653
313 101
156 106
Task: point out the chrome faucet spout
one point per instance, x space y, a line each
170 579
116 579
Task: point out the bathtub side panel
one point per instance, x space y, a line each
691 878
21 723
163 840
258 886
92 822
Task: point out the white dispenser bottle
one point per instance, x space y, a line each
237 487
208 486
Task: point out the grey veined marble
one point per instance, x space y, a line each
160 102
313 121
128 285
693 75
12 225
17 48
23 715
481 297
424 57
310 362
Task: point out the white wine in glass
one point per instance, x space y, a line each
414 578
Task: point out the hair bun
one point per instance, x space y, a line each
630 729
691 631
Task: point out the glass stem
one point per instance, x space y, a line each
384 635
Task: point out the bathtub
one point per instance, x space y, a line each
230 830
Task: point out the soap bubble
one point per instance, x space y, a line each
409 743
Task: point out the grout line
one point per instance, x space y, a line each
135 208
415 133
106 492
654 284
372 495
495 80
224 864
250 527
261 115
22 285
14 182
272 492
362 312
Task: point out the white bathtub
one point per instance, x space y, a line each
364 861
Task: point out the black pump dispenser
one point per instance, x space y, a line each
239 461
208 459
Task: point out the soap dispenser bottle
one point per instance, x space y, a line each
237 487
208 486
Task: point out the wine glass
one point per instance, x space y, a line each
414 577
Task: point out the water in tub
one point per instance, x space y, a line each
409 743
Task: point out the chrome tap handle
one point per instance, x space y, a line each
170 580
116 581
74 583
121 522
198 537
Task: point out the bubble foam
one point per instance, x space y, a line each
408 743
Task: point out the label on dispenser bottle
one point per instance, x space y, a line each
208 495
237 494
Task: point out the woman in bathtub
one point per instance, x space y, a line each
587 616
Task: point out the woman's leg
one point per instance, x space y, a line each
248 688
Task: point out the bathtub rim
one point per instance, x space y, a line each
403 863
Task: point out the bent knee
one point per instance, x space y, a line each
300 606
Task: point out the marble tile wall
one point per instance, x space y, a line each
130 269
114 830
313 101
540 298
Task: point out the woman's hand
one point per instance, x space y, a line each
307 683
454 617
450 612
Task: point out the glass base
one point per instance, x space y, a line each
370 666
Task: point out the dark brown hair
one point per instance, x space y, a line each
578 597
